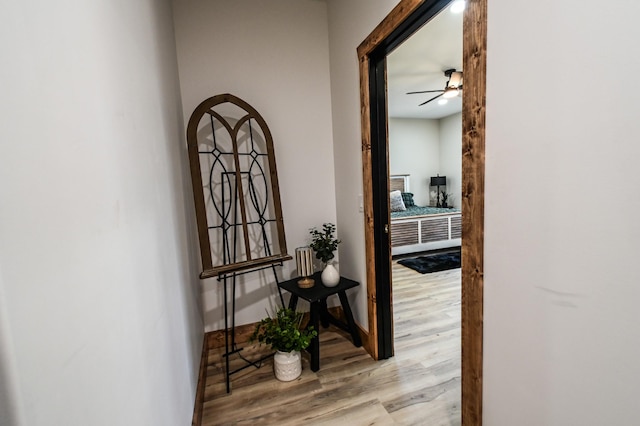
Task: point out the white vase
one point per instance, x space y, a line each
287 365
330 276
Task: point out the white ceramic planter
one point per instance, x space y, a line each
287 365
330 276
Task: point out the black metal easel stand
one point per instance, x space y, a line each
230 346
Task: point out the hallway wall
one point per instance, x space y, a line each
561 341
275 56
100 299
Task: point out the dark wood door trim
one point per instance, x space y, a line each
473 164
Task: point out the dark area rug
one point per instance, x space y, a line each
433 263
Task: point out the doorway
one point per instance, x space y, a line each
404 20
425 145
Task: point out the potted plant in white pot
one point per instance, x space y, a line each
283 332
324 243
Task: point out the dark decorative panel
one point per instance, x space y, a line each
235 187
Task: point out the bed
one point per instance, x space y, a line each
417 228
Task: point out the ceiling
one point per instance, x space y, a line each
419 64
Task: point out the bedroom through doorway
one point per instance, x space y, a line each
425 148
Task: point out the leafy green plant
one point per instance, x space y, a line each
445 199
283 332
324 243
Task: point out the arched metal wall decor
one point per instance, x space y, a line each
237 200
235 187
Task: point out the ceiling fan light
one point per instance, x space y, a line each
458 6
450 92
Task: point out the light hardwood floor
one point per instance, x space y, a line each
420 385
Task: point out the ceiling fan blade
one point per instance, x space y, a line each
434 98
425 91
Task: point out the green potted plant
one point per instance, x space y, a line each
324 243
446 200
283 332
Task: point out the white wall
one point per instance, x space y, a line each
414 149
100 291
275 56
562 236
451 156
10 405
424 148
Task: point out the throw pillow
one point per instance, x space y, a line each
407 198
395 200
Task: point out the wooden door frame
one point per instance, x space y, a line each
473 164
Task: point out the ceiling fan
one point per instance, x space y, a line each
452 89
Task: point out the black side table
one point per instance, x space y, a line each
317 297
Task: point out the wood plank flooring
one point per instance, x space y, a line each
420 385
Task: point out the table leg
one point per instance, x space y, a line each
350 321
293 302
324 313
314 347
